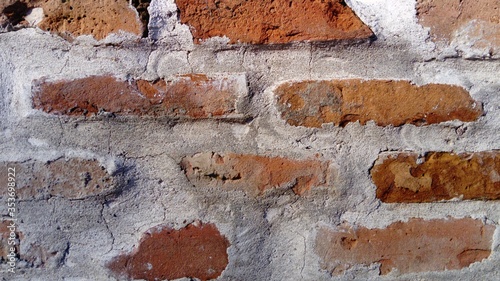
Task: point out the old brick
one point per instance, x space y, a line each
73 179
313 103
193 96
280 21
413 246
439 176
444 17
96 18
477 22
196 251
253 173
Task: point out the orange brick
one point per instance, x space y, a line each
413 246
441 176
192 96
253 173
313 103
74 18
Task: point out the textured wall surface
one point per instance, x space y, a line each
249 140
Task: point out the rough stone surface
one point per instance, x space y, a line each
280 21
413 246
473 24
190 96
72 179
438 176
253 173
313 103
196 251
74 18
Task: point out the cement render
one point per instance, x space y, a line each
272 236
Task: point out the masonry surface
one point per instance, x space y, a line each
249 140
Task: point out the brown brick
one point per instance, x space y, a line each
73 179
196 251
82 17
280 21
444 17
440 176
413 246
313 103
253 173
193 96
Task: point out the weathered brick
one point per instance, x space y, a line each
253 173
196 251
403 177
446 16
73 179
477 22
413 246
193 96
313 103
280 21
96 18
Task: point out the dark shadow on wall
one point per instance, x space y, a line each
142 8
15 13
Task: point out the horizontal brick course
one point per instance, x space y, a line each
401 178
253 173
313 103
73 18
413 246
264 22
193 96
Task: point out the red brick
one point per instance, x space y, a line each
413 246
253 173
73 179
264 22
313 103
196 251
193 96
75 18
440 176
472 28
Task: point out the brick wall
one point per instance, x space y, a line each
250 140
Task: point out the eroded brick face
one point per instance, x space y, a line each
313 103
190 96
253 173
439 176
413 246
82 17
472 27
280 21
72 179
196 251
445 17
